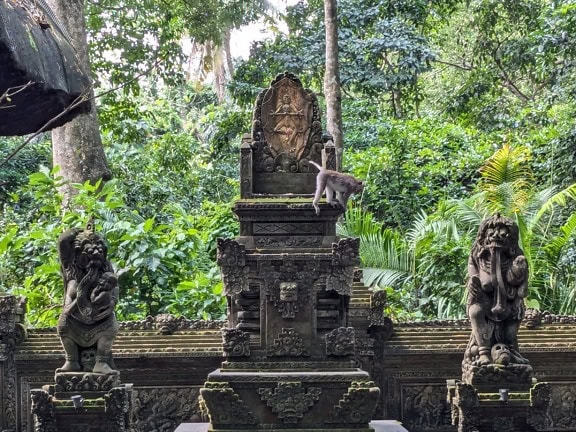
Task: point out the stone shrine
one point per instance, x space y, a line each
290 351
497 391
87 394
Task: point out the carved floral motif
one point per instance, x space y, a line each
12 334
224 406
80 381
345 257
288 343
235 343
117 405
289 400
357 405
341 342
231 258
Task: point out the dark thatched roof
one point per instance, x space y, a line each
38 68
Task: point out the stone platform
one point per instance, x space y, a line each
376 426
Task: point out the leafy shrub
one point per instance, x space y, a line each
163 266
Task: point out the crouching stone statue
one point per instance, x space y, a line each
497 286
87 322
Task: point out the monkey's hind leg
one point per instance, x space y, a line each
320 185
330 196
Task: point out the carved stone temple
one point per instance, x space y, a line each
290 352
87 394
497 391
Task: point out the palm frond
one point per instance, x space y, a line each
467 214
386 261
358 222
380 277
558 199
506 166
554 247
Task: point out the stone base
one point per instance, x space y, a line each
502 409
296 400
374 426
81 411
68 383
512 376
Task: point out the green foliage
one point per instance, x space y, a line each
389 36
15 172
163 266
416 164
175 147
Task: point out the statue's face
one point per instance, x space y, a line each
497 236
288 291
90 249
501 354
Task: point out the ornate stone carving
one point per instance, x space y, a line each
345 257
466 408
286 285
232 261
425 407
116 408
540 415
497 285
162 409
235 343
357 405
289 400
341 342
287 304
81 381
224 406
12 334
280 242
43 411
277 228
166 324
288 343
91 293
286 129
162 322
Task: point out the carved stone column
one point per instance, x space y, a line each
290 350
12 333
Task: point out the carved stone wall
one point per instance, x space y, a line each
411 366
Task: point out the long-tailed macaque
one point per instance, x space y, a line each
343 185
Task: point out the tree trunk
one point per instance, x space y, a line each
227 53
332 81
77 146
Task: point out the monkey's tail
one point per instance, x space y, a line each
316 165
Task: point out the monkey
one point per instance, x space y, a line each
333 181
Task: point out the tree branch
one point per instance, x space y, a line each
12 91
462 67
509 84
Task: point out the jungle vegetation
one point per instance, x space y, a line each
452 110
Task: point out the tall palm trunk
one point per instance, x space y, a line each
332 80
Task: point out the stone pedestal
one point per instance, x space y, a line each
288 280
498 408
86 402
